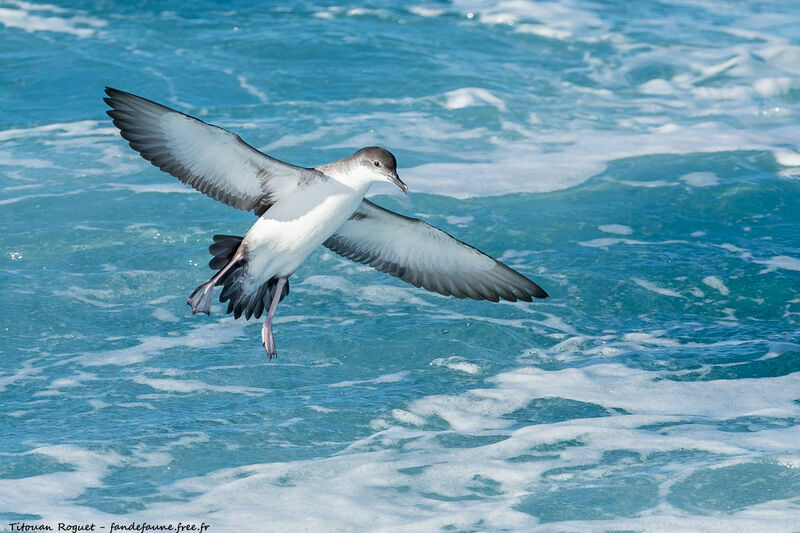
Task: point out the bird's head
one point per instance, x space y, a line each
379 165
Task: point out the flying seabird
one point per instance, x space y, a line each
299 209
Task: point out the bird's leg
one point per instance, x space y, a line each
200 300
266 330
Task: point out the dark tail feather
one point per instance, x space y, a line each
249 304
223 250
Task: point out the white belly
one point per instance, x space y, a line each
291 229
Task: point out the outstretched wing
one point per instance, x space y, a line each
424 256
214 161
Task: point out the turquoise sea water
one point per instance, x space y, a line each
640 161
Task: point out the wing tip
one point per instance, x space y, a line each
113 94
115 98
530 291
517 285
539 292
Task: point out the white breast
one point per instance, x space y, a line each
292 228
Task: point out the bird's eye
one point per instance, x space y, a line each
376 163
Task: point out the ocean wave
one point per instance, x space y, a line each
23 17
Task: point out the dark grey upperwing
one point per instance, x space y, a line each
424 256
214 161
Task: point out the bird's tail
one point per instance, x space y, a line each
241 300
223 250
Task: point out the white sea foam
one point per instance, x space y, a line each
165 315
352 487
321 409
93 297
604 242
700 179
76 380
192 385
652 287
741 252
559 20
461 221
651 184
667 117
161 188
529 324
23 18
27 370
436 486
715 283
8 160
545 31
207 335
252 90
657 86
294 139
582 156
617 229
50 493
24 197
405 417
652 338
386 378
787 158
749 72
67 129
779 262
472 96
614 385
374 294
425 11
98 404
457 363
